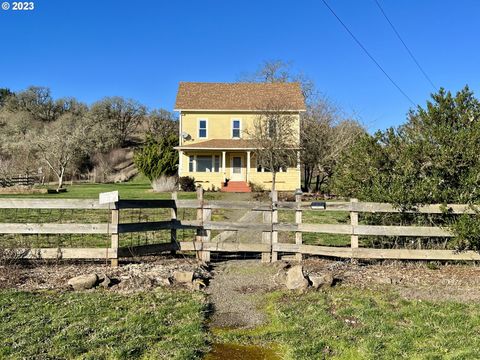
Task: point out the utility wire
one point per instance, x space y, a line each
368 54
406 47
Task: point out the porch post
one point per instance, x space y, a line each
248 166
224 170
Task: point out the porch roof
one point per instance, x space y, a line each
220 144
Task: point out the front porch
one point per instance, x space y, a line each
218 170
230 165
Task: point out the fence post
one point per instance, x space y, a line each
298 220
274 221
353 222
115 236
202 234
267 219
173 232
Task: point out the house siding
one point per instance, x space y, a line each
219 126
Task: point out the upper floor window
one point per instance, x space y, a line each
236 128
202 128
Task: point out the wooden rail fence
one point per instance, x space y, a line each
201 243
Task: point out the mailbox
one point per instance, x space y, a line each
318 205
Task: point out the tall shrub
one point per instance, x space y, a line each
157 157
432 158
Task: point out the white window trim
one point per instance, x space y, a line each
206 128
240 128
194 163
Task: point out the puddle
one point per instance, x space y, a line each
240 352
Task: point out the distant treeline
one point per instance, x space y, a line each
65 136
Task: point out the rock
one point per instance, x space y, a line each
165 281
280 277
318 281
83 282
383 280
183 277
295 278
198 285
106 282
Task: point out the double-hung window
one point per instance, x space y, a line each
202 128
236 128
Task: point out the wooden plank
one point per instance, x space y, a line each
406 254
158 225
66 253
353 222
374 230
364 253
173 215
274 221
51 228
315 228
224 225
223 247
266 235
7 203
236 205
423 231
298 220
330 206
147 204
115 235
147 249
202 232
343 252
373 207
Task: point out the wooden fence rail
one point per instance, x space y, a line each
202 244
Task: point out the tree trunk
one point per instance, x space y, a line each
317 184
308 177
274 179
60 180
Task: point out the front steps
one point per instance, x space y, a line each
236 186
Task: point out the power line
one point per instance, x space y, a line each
406 47
368 54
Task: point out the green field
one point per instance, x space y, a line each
350 323
102 325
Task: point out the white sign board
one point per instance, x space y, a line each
108 197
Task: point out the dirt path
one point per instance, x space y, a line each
234 292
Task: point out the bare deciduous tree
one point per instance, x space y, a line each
162 123
272 71
62 143
36 101
275 138
324 136
117 118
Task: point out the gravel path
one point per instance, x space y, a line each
233 291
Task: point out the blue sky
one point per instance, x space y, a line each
142 49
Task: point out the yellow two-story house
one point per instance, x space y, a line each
215 120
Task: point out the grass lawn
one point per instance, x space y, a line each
139 188
102 325
319 217
349 323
